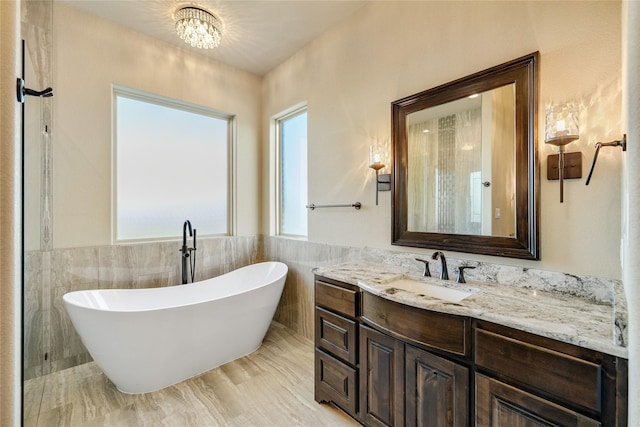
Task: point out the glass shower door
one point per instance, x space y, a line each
37 48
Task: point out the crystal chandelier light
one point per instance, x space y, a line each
198 27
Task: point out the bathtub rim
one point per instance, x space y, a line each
169 289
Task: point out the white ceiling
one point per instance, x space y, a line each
257 35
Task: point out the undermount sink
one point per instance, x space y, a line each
433 291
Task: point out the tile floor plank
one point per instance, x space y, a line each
271 387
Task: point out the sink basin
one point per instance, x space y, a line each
433 291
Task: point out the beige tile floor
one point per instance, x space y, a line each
271 387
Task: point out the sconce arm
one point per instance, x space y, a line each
621 143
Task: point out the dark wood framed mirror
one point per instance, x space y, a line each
465 164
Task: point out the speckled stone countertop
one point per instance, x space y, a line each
566 318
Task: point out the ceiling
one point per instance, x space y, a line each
257 35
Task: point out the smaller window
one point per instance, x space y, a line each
292 147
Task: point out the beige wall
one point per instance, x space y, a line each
389 50
91 54
349 87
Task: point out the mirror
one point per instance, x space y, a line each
465 164
450 150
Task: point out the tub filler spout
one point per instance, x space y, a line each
186 253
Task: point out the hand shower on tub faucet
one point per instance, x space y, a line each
186 252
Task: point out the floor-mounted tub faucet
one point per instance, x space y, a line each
186 252
444 273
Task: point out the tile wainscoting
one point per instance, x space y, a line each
51 274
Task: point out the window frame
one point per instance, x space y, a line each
142 96
278 120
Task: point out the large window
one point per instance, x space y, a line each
292 143
171 163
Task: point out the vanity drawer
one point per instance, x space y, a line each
548 372
336 382
436 330
336 298
337 335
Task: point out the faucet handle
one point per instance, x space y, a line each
461 269
426 272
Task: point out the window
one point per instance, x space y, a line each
292 145
170 164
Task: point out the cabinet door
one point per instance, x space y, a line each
437 390
501 405
381 379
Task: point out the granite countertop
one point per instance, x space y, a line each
566 318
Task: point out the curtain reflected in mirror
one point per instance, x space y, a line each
461 166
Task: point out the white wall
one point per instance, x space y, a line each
389 50
90 54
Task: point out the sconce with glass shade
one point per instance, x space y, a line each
383 181
562 128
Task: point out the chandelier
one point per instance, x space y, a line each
198 27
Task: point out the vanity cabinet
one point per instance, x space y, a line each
389 364
436 390
501 405
403 384
525 379
382 379
336 341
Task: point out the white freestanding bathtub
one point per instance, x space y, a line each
148 339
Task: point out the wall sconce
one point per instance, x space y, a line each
383 181
561 129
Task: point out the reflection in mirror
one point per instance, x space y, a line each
461 164
465 164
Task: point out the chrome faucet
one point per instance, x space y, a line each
186 252
444 273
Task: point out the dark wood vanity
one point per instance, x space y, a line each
389 364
